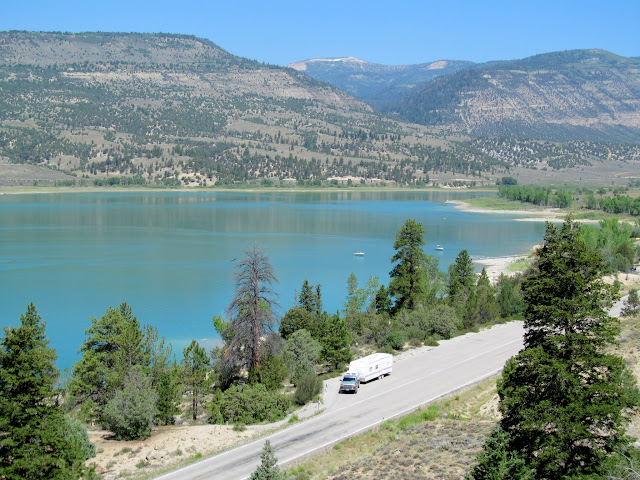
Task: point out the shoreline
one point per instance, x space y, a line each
496 266
546 215
19 190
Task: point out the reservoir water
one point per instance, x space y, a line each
170 255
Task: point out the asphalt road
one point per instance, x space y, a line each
419 377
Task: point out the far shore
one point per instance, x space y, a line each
529 215
16 190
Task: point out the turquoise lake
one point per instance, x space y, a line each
169 255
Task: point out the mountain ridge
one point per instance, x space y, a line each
379 85
575 94
169 109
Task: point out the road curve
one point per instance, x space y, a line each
419 377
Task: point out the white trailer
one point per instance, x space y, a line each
372 366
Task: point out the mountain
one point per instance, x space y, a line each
378 85
179 110
570 95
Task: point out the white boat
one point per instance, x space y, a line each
439 247
359 254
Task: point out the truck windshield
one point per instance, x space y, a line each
349 379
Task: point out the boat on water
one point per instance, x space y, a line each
439 247
358 254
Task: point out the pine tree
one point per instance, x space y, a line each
335 342
251 307
36 439
195 365
415 277
115 343
565 400
268 468
461 278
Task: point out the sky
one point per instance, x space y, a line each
399 32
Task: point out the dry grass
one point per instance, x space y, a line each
438 442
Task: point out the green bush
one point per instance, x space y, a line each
442 320
78 432
271 372
431 342
394 339
247 404
386 349
308 387
130 414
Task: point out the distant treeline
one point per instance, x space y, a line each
563 198
537 195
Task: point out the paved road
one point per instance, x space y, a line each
419 377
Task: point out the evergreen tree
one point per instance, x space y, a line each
306 298
488 309
461 278
565 400
169 390
115 343
296 318
508 298
335 342
301 351
268 468
36 439
195 367
409 276
497 462
356 297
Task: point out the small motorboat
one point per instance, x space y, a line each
439 247
358 254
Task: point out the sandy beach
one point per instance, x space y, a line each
496 266
546 215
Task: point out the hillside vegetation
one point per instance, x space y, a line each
560 96
174 110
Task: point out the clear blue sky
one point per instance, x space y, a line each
389 32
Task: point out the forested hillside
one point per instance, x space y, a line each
176 110
562 96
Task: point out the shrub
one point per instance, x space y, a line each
308 387
129 415
248 404
78 432
394 339
443 320
431 342
271 372
386 349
